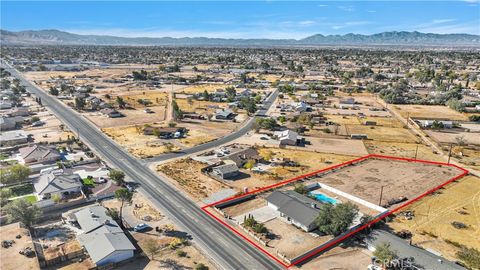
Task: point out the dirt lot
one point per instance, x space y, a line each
429 112
187 175
135 142
467 155
201 88
402 150
10 259
132 117
380 133
157 98
339 258
51 131
450 136
398 178
434 214
196 137
292 241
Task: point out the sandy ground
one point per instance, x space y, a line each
135 142
429 112
434 214
186 175
196 137
398 149
466 155
132 117
452 136
50 131
290 240
10 259
339 258
380 133
398 178
201 88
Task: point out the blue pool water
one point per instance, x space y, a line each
323 198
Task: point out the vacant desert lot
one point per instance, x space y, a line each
398 178
380 133
429 112
451 136
132 117
186 175
397 149
434 214
133 140
10 259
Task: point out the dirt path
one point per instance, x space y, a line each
169 110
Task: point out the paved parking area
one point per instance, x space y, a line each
261 215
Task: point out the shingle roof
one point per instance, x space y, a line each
296 206
227 168
102 235
56 181
38 152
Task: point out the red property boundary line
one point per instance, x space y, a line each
340 239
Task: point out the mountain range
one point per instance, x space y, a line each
397 38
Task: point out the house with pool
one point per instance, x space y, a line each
295 208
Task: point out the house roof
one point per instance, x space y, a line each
296 206
226 168
243 155
13 135
94 217
286 135
56 181
39 152
224 112
102 236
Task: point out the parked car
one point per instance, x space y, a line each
129 186
101 180
374 267
141 227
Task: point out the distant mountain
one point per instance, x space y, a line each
56 37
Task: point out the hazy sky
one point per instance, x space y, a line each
254 19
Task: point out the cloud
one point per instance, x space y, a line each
322 5
306 23
347 8
443 21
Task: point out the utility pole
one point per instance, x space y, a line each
450 153
416 152
381 195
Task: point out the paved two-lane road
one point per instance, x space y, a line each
227 249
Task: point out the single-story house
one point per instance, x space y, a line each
297 209
19 111
102 237
111 113
39 154
286 137
13 137
9 123
56 183
4 105
242 156
226 114
226 171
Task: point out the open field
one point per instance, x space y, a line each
204 87
132 117
133 140
434 214
157 98
399 178
467 155
340 258
402 150
186 174
429 112
451 136
196 137
380 133
10 259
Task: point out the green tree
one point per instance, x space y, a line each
117 176
336 219
23 211
5 193
384 253
54 91
14 174
79 103
113 213
249 164
301 188
177 112
124 196
121 103
201 266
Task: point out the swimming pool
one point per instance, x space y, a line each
323 198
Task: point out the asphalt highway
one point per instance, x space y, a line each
227 249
